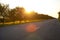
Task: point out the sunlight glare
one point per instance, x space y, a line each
50 7
31 28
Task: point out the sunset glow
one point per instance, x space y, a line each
49 7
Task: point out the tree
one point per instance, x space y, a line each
20 13
3 11
17 14
59 16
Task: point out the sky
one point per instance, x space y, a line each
48 7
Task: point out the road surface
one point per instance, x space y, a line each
46 30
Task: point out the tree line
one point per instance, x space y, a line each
18 14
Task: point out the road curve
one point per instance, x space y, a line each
46 30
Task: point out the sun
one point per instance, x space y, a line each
28 9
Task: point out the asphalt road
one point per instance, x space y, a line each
46 30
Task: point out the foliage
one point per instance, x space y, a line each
59 16
18 14
3 12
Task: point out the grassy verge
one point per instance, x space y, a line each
19 22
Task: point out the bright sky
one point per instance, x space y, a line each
49 7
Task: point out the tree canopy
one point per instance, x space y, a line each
18 14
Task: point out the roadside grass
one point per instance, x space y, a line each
19 22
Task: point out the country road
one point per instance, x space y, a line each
45 30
